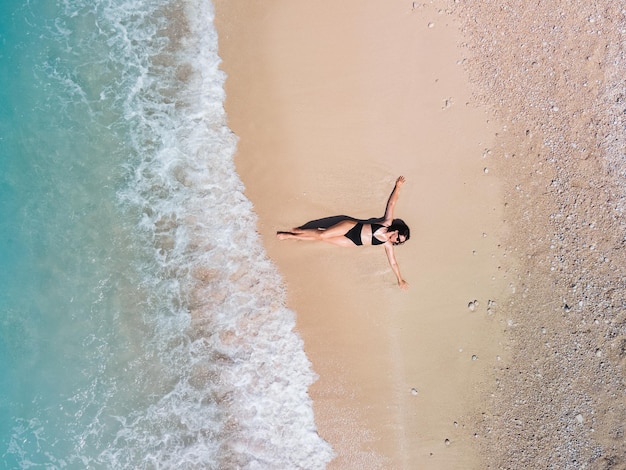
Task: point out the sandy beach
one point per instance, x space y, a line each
550 74
508 349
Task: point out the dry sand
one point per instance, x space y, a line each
554 75
333 100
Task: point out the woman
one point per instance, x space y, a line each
386 231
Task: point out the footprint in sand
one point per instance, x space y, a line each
448 102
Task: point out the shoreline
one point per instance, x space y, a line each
324 130
512 144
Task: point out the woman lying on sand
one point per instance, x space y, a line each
385 231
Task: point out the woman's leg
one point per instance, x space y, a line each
333 234
298 236
336 230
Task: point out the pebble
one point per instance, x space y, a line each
413 392
577 376
431 25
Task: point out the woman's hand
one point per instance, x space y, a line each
403 284
400 181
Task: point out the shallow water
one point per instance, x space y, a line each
142 324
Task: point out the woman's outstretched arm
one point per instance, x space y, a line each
391 203
394 266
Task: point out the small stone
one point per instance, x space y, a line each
474 357
486 170
472 305
413 392
447 442
431 25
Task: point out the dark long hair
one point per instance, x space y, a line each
402 228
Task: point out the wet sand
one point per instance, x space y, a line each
508 349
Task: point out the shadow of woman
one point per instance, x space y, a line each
326 222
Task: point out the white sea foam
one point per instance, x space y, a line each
158 335
230 374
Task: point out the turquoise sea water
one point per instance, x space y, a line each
141 324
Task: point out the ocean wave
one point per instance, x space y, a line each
188 354
237 372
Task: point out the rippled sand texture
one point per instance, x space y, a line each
553 72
